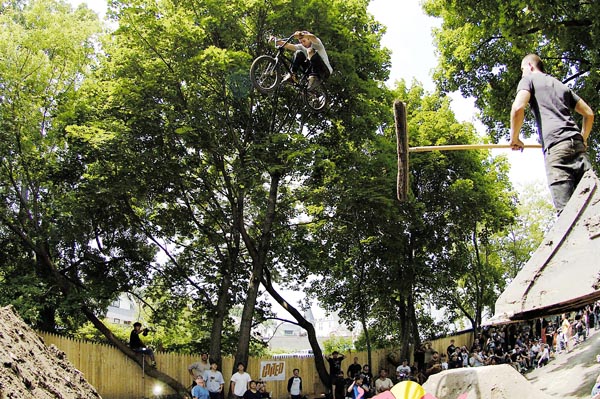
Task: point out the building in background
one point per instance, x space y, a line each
291 338
123 310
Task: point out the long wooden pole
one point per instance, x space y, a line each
465 147
404 149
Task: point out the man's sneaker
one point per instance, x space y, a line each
313 82
289 78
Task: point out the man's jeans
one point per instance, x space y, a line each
566 162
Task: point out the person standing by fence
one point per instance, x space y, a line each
240 381
214 381
294 386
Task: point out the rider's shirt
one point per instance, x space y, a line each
320 49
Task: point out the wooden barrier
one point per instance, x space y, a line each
115 376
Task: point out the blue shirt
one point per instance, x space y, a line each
200 392
595 390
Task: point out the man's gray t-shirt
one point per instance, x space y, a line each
551 102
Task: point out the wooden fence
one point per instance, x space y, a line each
115 376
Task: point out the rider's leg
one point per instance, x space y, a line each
318 71
318 67
298 61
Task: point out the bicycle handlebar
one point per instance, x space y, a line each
285 41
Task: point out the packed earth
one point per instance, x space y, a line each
32 370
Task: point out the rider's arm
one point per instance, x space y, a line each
288 46
306 34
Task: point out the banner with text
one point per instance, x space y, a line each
272 370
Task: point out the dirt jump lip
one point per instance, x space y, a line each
563 273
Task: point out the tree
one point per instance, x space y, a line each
382 263
481 44
208 169
71 256
80 254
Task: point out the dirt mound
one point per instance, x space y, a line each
29 369
570 375
489 382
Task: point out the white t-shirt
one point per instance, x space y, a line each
318 46
295 388
403 369
383 385
241 383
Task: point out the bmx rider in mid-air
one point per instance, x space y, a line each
310 55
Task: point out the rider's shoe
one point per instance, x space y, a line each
289 78
313 82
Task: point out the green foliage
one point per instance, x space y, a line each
387 265
481 44
173 128
340 344
59 241
90 333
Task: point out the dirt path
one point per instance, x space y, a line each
570 375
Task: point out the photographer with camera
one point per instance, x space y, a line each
136 344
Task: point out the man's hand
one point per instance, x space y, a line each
516 145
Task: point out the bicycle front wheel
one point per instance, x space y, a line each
264 74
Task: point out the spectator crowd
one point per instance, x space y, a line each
524 346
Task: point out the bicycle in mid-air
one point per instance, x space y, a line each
266 74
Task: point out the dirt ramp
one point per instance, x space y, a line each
29 369
489 382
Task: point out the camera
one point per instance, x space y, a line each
147 330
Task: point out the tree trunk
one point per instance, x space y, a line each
152 372
363 322
412 317
221 311
241 354
258 252
305 324
66 286
404 330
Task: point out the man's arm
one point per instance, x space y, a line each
517 116
306 34
588 118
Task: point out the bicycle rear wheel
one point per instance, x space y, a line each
316 99
264 74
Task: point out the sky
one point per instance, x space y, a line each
410 40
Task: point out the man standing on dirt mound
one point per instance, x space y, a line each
310 55
564 143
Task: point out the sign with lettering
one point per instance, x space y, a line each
272 371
